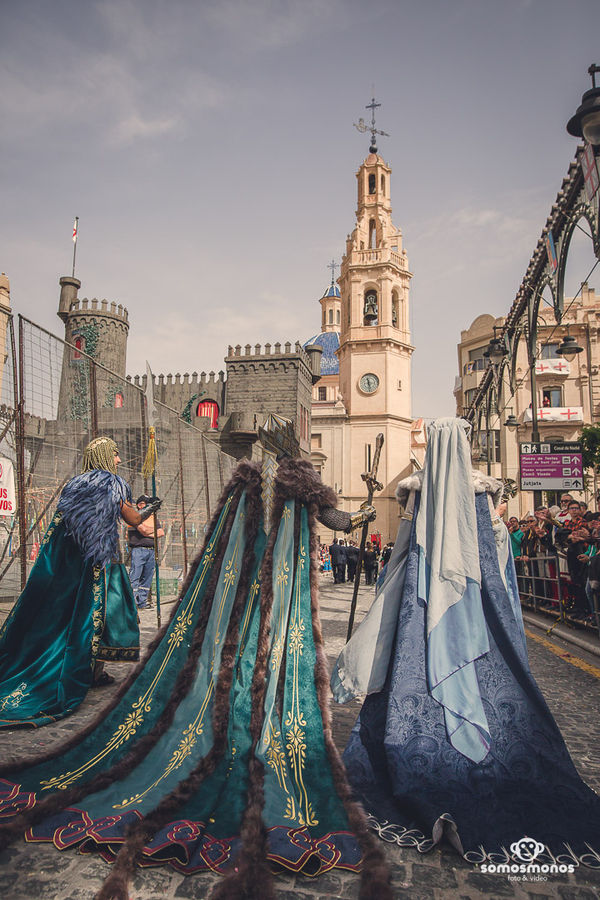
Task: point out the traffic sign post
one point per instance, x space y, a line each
551 466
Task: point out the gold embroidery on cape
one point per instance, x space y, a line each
56 520
196 728
13 700
295 723
143 704
99 605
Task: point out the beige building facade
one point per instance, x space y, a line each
365 388
567 391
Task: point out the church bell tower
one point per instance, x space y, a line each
375 350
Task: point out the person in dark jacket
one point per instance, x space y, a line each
338 561
352 559
141 544
370 559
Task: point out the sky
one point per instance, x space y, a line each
209 151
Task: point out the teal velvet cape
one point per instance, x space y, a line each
71 613
230 701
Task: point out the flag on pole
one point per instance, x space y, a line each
75 227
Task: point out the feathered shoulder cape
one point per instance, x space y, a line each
90 505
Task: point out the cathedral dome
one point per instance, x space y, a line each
333 291
329 341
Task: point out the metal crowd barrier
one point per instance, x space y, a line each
545 586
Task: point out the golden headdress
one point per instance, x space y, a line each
100 454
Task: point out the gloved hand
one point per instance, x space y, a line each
150 508
368 512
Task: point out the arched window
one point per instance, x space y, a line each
372 183
209 409
79 346
331 317
337 317
383 184
119 400
372 234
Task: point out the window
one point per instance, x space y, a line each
478 362
322 393
79 346
372 234
494 445
315 442
372 183
469 396
383 184
210 409
331 317
548 351
337 317
552 397
119 400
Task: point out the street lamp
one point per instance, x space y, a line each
511 422
569 348
586 121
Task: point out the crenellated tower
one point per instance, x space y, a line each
96 329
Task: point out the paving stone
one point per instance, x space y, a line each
576 892
494 885
195 887
432 877
324 884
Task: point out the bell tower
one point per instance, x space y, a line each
375 350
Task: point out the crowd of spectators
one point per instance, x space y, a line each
341 558
537 540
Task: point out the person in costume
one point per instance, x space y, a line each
454 738
77 608
218 753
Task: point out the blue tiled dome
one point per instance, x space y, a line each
333 291
329 341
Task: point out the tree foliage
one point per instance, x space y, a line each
590 439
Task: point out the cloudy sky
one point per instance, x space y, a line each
209 151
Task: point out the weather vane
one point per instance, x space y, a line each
362 125
333 266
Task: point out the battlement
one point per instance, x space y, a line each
269 350
100 307
193 381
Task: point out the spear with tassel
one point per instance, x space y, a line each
149 471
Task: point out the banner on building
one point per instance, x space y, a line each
8 498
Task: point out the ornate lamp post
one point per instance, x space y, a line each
586 121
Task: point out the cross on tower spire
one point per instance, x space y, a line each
333 266
362 126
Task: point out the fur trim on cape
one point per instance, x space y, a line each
298 478
482 484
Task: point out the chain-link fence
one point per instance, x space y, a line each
61 399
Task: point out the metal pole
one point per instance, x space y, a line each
75 236
20 401
591 399
183 534
535 434
93 401
144 428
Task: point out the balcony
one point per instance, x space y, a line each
552 367
563 415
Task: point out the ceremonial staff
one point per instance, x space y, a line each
372 485
149 470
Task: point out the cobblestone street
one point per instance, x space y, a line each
572 691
